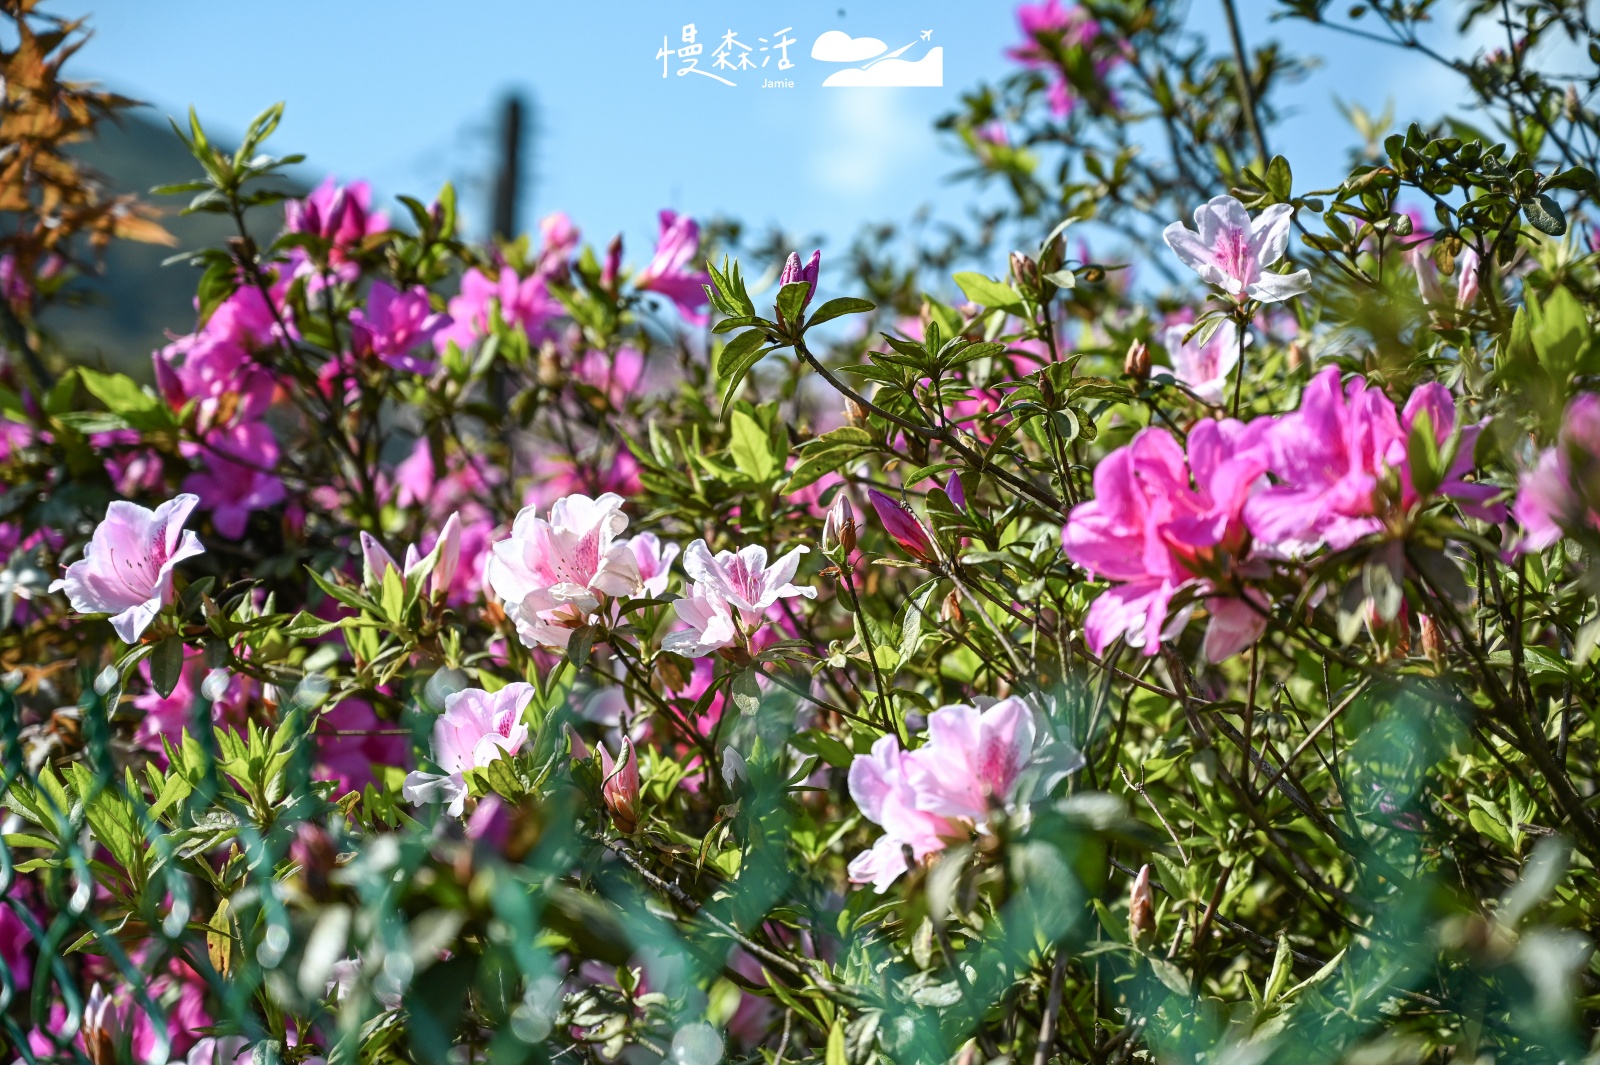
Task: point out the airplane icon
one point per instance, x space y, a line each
927 35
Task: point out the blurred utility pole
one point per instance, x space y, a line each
508 171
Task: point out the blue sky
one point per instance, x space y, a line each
403 94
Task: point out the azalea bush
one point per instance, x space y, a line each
1178 650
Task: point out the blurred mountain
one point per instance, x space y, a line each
117 318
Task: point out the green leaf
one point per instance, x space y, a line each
579 645
988 293
791 299
837 308
166 665
746 352
749 448
1279 180
835 1052
305 626
746 693
1545 215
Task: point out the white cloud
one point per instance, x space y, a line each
837 46
926 72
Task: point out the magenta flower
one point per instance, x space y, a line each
558 239
1233 253
525 303
1153 534
446 555
944 790
552 574
352 741
903 525
126 568
668 270
342 215
1330 455
235 478
1203 368
1557 497
744 579
476 728
1051 29
394 325
617 374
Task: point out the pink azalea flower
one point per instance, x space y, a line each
615 374
668 270
476 728
558 237
394 325
552 574
1048 28
745 580
126 569
234 480
1203 368
1233 253
1558 496
883 792
351 741
446 554
1152 533
944 790
972 759
525 303
168 716
342 215
655 562
1330 455
218 374
709 618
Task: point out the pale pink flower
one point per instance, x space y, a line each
551 574
446 555
967 770
126 568
1233 253
710 620
1203 368
394 325
881 790
972 759
744 579
668 271
655 562
476 728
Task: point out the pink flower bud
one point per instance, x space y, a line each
900 523
620 787
613 264
313 851
953 488
1141 906
839 529
1137 364
793 271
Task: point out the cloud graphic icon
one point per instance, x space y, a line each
927 72
836 46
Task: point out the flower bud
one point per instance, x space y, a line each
839 528
1137 364
793 271
1467 283
613 265
1141 906
1296 356
901 523
1432 639
102 1028
620 786
854 413
1026 273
